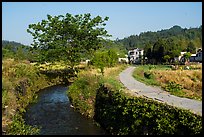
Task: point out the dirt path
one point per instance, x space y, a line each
140 89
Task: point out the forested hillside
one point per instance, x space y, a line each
16 50
180 36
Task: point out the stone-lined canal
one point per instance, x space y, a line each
53 114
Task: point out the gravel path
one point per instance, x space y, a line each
140 89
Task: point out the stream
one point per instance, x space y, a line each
53 114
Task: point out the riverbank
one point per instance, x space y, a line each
107 101
20 83
101 97
53 114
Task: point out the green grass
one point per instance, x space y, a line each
181 83
139 72
82 91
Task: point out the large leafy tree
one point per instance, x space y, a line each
159 50
67 37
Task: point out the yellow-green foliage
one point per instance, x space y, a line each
53 66
20 82
121 114
105 100
83 91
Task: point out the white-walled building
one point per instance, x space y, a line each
135 55
196 57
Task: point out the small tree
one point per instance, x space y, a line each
100 60
104 59
112 57
166 58
186 57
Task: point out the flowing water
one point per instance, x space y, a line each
54 115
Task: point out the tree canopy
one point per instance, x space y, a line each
67 37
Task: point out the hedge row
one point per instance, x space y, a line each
121 114
124 115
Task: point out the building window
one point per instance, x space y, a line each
131 53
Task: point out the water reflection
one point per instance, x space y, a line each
54 114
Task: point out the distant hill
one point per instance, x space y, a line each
12 49
13 43
182 36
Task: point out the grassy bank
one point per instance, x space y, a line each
20 83
180 82
108 102
82 92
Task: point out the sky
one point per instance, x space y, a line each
125 18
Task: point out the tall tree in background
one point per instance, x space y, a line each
159 50
67 37
191 47
148 51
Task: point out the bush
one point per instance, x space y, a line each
173 87
18 127
104 59
124 115
82 93
148 75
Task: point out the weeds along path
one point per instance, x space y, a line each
140 89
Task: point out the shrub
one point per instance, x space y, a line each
148 75
125 115
173 87
104 59
18 127
82 93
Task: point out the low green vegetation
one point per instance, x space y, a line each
174 88
102 59
18 127
20 83
180 82
105 99
82 92
122 114
145 74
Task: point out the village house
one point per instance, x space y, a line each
135 55
194 57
